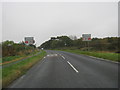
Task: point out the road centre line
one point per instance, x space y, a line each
73 67
63 57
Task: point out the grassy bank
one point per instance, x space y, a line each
0 60
14 71
0 78
104 55
10 58
17 57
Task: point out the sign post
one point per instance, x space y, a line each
87 38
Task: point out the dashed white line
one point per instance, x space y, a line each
73 67
48 55
63 57
56 55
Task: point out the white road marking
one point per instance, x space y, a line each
48 55
72 67
56 55
22 76
63 57
44 57
51 55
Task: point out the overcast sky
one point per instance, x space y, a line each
43 20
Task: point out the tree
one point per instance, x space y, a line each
100 44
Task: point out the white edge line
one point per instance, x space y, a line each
72 67
22 76
44 57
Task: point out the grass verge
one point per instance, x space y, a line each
104 55
0 60
5 59
9 74
17 57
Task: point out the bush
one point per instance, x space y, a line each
9 48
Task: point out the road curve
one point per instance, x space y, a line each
66 70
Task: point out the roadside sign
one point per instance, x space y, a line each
29 40
86 37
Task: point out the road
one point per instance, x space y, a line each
66 70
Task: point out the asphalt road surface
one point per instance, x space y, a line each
66 70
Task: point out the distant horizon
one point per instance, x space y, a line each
59 36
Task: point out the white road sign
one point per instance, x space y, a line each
86 37
29 40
